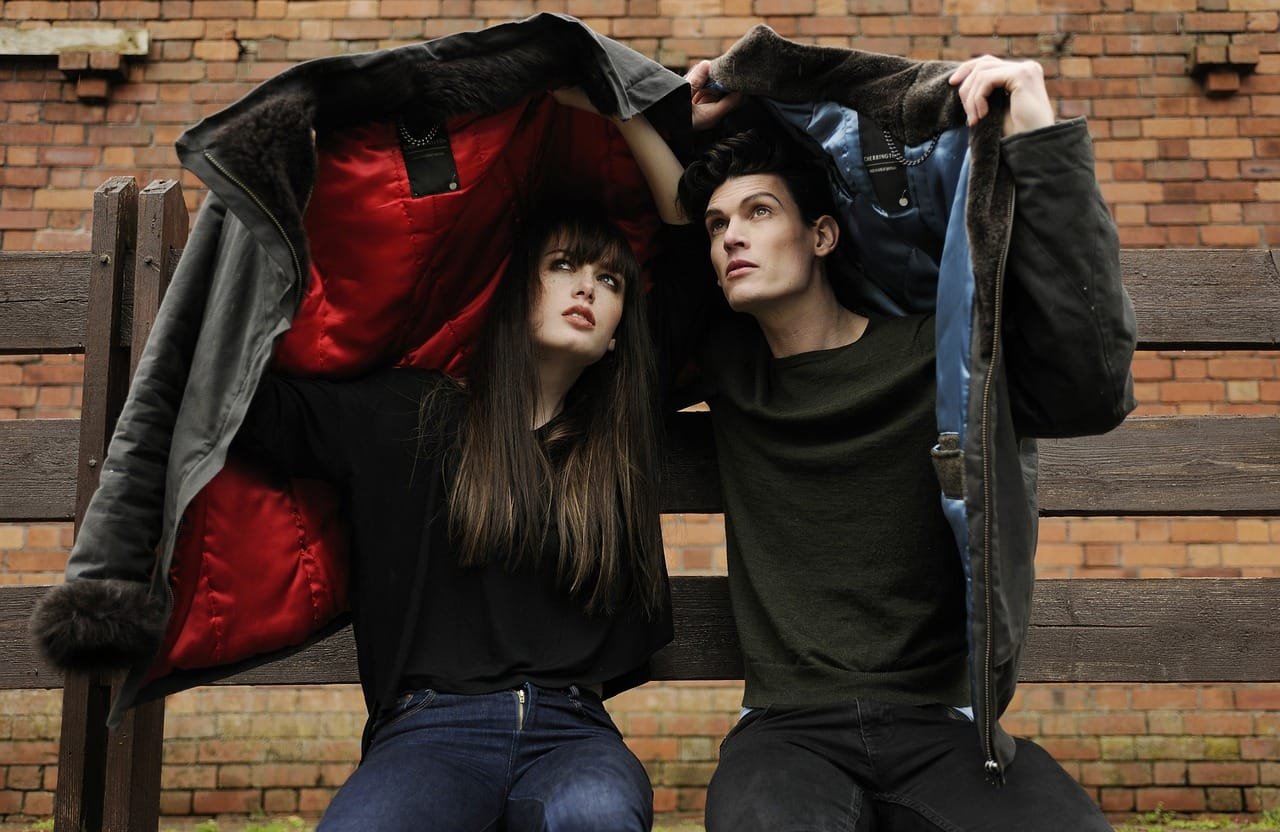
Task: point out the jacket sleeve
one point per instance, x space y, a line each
105 615
308 428
1069 328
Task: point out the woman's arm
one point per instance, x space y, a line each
302 427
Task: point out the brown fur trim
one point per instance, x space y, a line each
911 99
98 624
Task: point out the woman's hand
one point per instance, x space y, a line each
709 104
1029 105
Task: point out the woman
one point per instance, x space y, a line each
533 485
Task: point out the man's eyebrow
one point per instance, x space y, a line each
716 212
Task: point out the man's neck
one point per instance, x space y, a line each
812 322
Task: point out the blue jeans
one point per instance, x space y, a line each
876 767
525 760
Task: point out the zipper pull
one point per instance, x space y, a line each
995 776
519 709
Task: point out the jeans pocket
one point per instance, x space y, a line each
406 706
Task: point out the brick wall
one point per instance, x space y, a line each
1178 166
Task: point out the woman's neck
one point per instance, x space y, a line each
554 382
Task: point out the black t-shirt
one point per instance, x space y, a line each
416 612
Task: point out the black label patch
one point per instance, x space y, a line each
884 163
428 158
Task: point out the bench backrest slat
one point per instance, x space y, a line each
1182 465
44 298
1205 299
1082 630
37 469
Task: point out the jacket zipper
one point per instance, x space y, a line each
293 252
519 692
988 710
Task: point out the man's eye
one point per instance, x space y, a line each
761 211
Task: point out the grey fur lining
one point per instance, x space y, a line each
98 624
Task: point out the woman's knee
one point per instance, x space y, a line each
592 801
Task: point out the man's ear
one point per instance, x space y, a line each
826 236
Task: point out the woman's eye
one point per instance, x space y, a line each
716 226
608 280
561 264
760 211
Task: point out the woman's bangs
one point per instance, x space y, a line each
595 241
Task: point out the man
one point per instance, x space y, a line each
876 455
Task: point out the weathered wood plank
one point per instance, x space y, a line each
1183 298
1157 465
1175 630
1171 630
38 469
1204 298
22 668
1166 465
43 301
1083 630
106 361
78 802
162 232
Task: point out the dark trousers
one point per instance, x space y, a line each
491 763
888 768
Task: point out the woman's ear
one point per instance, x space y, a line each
826 235
613 342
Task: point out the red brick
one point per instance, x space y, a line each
239 801
1134 723
1218 723
1239 774
1264 697
1115 774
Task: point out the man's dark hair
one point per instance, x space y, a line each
752 152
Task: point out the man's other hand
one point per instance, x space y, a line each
1029 105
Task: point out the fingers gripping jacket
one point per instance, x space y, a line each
98 624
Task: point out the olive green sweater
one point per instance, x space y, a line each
844 575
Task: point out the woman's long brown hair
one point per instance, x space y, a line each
590 475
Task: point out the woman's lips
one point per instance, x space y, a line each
580 316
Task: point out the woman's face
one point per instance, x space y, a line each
574 315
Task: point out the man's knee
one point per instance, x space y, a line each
754 794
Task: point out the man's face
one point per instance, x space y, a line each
762 248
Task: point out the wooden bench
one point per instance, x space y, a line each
101 303
1083 630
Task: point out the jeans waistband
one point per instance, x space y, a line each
412 683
